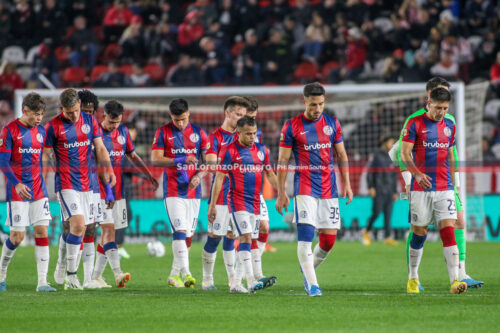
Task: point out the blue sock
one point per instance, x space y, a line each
179 235
109 246
417 242
244 247
211 244
305 232
73 239
9 245
228 244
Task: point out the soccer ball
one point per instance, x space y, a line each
156 249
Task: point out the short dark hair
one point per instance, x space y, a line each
113 109
435 82
88 97
384 139
34 102
68 98
313 89
246 121
233 101
178 106
440 95
252 104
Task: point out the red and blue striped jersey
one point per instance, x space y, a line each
21 148
191 141
245 167
432 141
94 179
312 143
72 144
216 142
118 143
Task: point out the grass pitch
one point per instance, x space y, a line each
364 289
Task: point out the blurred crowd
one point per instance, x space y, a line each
247 42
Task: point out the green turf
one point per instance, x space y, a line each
364 289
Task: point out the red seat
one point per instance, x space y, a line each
97 71
325 72
306 71
62 53
126 69
237 48
75 75
155 71
111 52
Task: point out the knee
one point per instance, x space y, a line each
65 228
41 232
246 238
90 231
16 237
326 241
264 227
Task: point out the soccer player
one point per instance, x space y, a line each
118 143
313 137
89 104
21 145
429 138
179 145
395 154
259 243
244 161
235 108
70 136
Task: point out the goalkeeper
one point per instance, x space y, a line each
395 154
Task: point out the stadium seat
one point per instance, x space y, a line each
24 72
97 71
74 75
111 52
325 72
30 56
126 69
155 72
62 53
13 54
306 71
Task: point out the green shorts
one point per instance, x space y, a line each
458 202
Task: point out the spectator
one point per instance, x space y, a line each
50 21
277 61
228 18
495 70
275 12
488 155
432 46
486 53
216 62
394 67
249 16
317 33
354 60
206 11
303 12
23 24
162 42
138 78
45 63
446 68
420 71
117 18
9 81
190 32
133 42
250 61
356 11
477 14
460 51
330 8
184 73
293 35
169 12
5 22
376 43
113 78
422 28
220 36
83 43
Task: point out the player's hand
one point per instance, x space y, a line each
23 191
112 178
282 202
154 182
191 160
395 197
348 194
194 182
372 192
212 213
423 180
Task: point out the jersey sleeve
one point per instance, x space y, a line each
204 140
212 144
130 145
96 130
267 159
5 155
158 141
286 138
338 132
410 132
5 141
452 138
50 135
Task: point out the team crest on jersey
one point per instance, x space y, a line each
177 222
208 145
447 131
414 217
281 137
17 218
39 137
194 137
86 128
303 214
1 142
216 226
243 225
328 130
154 140
404 132
121 139
260 155
73 206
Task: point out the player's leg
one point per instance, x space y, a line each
192 220
387 208
42 255
60 271
328 225
376 209
229 255
263 225
119 217
177 211
88 257
460 237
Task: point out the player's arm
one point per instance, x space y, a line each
216 188
273 179
451 159
46 160
5 165
141 166
106 173
343 162
159 159
283 200
210 162
421 178
456 172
